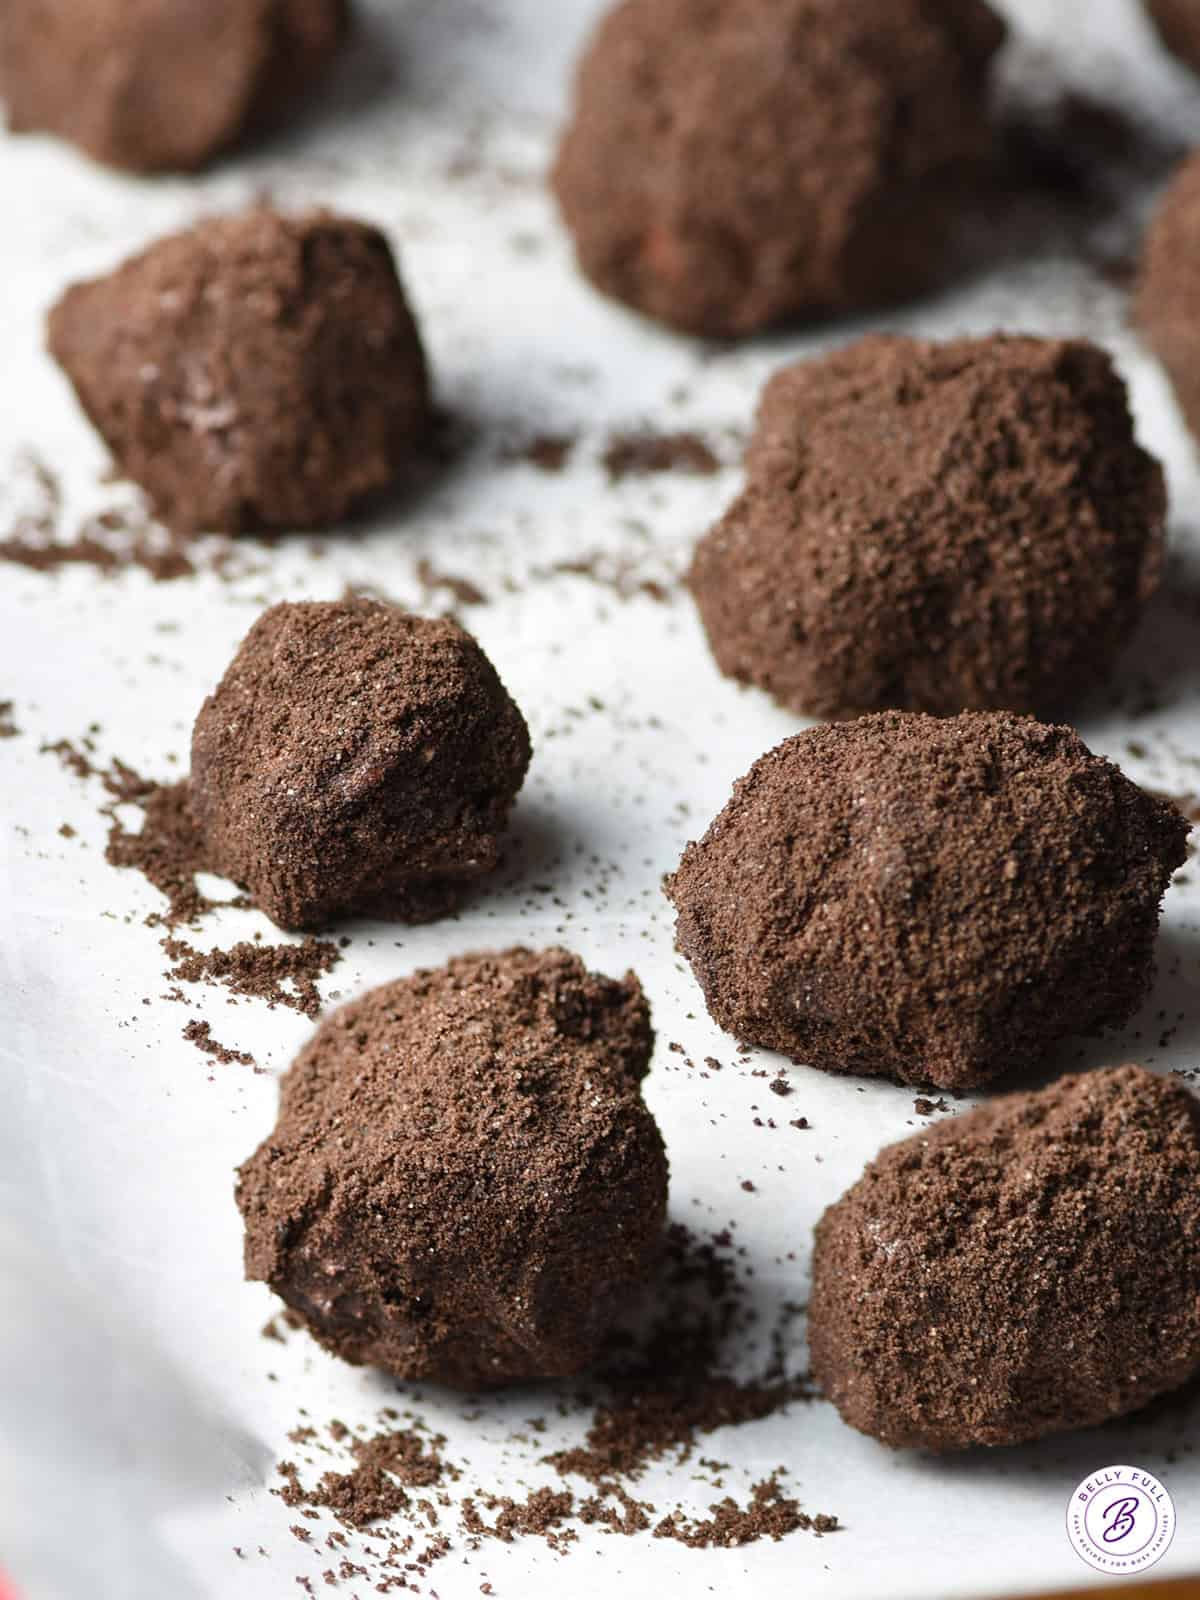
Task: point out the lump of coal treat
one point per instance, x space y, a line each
933 900
735 163
1028 1268
1168 290
356 759
253 372
1178 23
155 85
935 527
464 1184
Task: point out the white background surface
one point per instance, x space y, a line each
138 1423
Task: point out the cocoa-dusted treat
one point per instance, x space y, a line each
253 372
155 85
1178 22
935 527
734 163
355 758
933 900
464 1184
1167 306
1028 1268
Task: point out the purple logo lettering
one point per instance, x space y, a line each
1119 1519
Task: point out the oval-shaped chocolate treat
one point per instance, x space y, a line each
936 527
464 1184
1029 1267
256 371
935 900
162 85
355 758
734 163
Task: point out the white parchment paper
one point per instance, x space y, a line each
141 1413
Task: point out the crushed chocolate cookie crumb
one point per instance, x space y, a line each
621 574
280 974
543 1513
645 452
769 1515
168 851
928 1108
462 591
111 541
548 452
200 1034
670 1389
411 1457
663 1387
358 1498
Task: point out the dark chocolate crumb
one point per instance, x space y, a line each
641 453
200 1034
463 591
281 974
769 1515
548 452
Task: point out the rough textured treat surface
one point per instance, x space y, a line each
930 900
254 372
355 758
464 1184
1031 1267
1178 21
935 527
732 163
156 85
1168 293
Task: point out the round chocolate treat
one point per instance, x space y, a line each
733 163
253 372
355 758
464 1184
1030 1267
1178 21
1168 291
936 527
156 85
934 900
